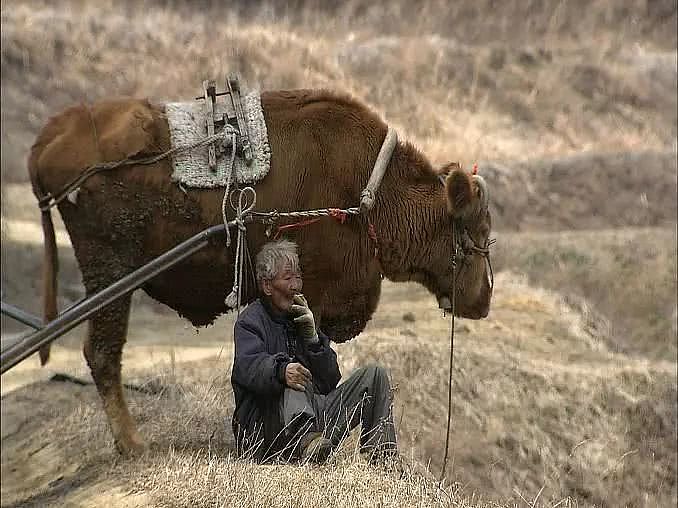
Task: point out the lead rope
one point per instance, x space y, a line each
234 298
449 380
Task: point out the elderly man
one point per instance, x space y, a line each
285 376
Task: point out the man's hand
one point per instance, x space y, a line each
304 320
298 377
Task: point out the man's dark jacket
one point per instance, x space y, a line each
265 342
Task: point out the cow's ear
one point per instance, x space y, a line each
459 187
449 168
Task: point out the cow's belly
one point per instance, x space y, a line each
196 291
117 226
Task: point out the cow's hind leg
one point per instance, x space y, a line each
103 351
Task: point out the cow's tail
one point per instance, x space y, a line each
50 266
50 269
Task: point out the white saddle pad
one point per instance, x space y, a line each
187 125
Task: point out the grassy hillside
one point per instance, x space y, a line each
623 280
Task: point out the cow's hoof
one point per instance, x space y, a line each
131 447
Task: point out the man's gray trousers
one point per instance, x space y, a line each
365 398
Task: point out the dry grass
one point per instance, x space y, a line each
531 384
198 480
190 463
624 280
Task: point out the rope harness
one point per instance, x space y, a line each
245 214
244 211
49 200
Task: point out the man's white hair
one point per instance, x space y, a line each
273 257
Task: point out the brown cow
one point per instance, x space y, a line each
323 148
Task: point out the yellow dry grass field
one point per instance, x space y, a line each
564 396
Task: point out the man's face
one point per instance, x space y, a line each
283 287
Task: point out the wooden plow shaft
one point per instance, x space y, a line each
21 316
84 309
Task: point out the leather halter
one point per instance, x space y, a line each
465 245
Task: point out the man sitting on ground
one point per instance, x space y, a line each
285 375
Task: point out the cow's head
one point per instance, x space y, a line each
464 231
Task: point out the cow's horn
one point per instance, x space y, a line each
484 193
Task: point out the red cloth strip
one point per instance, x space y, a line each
338 215
296 225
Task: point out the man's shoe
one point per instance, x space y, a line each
389 460
315 448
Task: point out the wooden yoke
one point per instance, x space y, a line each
231 112
234 91
209 89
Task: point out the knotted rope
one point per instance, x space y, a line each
243 208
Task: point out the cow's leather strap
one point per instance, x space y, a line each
368 195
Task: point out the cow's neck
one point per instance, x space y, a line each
409 205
